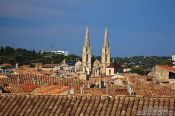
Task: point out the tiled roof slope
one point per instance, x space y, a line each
21 88
39 79
51 89
170 68
151 89
104 91
22 104
146 88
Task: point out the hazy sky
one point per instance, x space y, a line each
136 27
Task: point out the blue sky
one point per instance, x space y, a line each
136 27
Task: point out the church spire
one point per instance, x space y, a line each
105 58
106 42
86 55
86 42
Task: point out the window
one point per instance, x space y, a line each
109 71
171 75
112 83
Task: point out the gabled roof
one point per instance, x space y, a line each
78 63
96 63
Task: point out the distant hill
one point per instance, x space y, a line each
23 56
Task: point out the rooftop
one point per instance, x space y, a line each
170 68
28 104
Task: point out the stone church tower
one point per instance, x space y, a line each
105 58
86 55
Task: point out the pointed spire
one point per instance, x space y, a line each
86 42
106 42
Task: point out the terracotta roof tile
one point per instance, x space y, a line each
40 79
166 67
103 91
28 104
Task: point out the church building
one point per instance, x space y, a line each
98 68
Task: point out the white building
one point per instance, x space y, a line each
173 58
60 52
56 52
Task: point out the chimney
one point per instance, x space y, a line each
68 91
129 87
81 90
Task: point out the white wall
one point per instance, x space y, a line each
108 71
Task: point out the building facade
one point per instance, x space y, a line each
173 59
